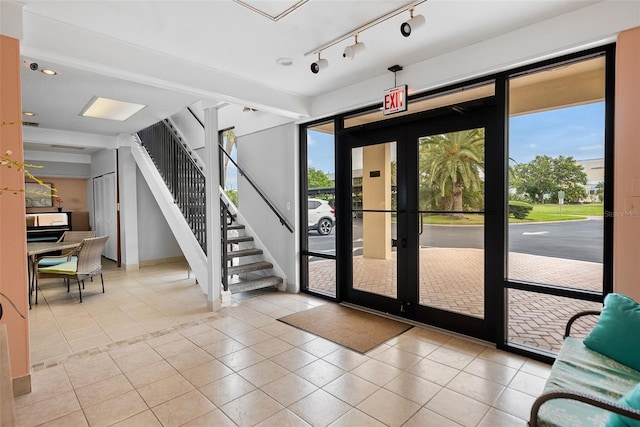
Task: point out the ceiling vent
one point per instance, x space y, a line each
34 124
68 147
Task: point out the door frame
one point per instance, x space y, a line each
405 131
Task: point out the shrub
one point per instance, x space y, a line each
519 210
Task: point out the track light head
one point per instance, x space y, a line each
320 64
413 23
352 50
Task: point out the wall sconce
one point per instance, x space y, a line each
414 22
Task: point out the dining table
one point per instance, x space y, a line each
35 250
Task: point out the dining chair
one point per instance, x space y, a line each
86 263
67 237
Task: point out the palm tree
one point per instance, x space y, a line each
452 162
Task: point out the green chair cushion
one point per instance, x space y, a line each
631 399
68 267
48 262
617 333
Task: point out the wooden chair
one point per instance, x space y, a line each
87 264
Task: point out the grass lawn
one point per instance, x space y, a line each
539 213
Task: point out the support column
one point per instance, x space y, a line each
214 251
128 207
13 258
376 195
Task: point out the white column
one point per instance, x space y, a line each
214 252
127 179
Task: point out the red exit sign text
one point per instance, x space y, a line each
395 100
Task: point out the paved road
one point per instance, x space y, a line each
578 240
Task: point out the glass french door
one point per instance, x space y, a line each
418 210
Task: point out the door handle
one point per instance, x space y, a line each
403 242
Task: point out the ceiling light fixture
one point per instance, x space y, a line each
352 50
48 72
29 113
320 64
366 26
110 109
285 62
248 110
415 22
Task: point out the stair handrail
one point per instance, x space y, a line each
224 212
281 217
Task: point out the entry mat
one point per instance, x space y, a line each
351 328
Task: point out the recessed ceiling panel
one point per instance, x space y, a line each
273 10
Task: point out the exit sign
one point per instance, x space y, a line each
395 100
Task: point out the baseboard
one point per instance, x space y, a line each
158 261
131 267
22 385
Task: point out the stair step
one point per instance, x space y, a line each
238 286
253 266
244 252
235 227
239 239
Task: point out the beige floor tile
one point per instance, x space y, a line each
414 345
449 357
356 418
320 372
284 418
215 418
103 390
252 337
241 359
45 384
477 388
449 404
88 370
162 339
515 403
497 418
491 371
433 371
138 360
536 368
206 373
398 358
465 345
47 409
227 389
320 408
146 419
502 357
150 373
288 389
376 372
413 387
89 342
319 347
346 359
297 338
388 407
205 338
189 359
183 409
276 328
223 347
126 332
271 347
528 383
351 388
427 418
75 419
199 329
294 359
175 347
116 409
428 334
263 373
251 408
164 390
128 349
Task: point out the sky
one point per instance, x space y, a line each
575 131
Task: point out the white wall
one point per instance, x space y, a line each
269 158
155 239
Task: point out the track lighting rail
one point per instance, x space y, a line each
366 26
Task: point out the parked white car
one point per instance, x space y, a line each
321 216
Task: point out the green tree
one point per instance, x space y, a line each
318 179
451 164
548 175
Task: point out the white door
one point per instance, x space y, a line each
105 212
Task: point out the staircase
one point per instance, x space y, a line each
246 266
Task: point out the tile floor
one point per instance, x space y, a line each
147 353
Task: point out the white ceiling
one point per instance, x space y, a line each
225 38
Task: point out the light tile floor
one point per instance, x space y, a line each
147 353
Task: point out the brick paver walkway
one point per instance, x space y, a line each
453 279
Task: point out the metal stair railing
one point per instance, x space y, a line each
182 175
261 193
